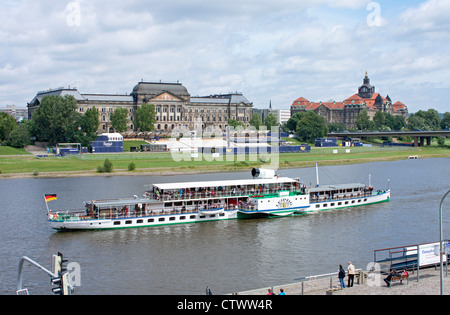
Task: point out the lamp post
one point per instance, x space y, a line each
441 232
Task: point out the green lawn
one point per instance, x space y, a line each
27 164
11 151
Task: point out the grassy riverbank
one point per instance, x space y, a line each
13 166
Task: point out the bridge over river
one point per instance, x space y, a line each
419 136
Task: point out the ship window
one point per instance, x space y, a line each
116 222
150 220
212 216
332 205
359 200
172 219
162 219
365 199
202 217
192 217
346 202
317 206
353 201
222 215
325 205
339 203
183 217
140 221
128 222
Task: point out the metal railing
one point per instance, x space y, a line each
359 273
217 193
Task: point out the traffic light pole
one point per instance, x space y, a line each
19 275
59 275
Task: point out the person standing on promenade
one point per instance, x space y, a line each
341 276
351 274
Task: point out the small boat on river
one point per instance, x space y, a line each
266 194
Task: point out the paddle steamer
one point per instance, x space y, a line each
266 194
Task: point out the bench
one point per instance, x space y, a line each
399 278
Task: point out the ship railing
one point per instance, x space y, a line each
219 194
341 196
248 208
106 214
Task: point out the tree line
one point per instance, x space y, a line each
57 121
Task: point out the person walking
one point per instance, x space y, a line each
341 276
351 274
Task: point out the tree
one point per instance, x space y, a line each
90 121
256 121
7 125
311 126
363 121
379 120
431 119
445 122
84 129
119 119
291 124
271 121
54 118
336 127
399 123
234 123
144 119
20 136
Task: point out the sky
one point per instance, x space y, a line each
271 51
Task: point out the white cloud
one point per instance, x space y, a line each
269 50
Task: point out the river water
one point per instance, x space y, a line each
227 256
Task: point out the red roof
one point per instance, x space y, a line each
301 102
354 99
398 106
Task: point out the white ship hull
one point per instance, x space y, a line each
350 202
145 221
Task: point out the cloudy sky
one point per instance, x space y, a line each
268 50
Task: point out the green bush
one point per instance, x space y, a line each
107 166
131 166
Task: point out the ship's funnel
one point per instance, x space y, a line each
263 173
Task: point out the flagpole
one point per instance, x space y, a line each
46 203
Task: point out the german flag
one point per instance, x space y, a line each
50 197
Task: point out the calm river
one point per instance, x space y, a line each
226 256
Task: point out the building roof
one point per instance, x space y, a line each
232 98
314 105
154 88
60 92
301 101
399 106
108 97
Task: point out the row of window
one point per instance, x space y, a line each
169 219
340 203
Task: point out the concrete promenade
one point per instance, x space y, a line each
429 284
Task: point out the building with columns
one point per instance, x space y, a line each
173 104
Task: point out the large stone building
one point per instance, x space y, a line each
346 111
174 106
